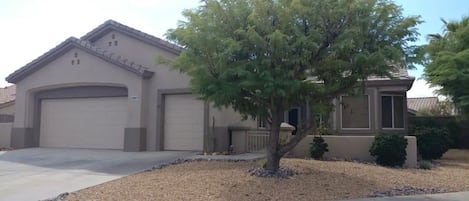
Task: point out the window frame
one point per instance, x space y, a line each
341 114
392 114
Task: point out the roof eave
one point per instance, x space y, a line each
111 25
59 50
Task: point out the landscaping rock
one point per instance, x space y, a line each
407 190
282 173
198 159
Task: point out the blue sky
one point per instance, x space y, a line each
431 12
32 27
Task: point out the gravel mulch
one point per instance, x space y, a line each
5 149
283 173
313 180
407 190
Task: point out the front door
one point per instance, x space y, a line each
293 118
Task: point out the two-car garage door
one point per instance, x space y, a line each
100 123
83 123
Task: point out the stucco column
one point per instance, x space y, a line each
285 132
22 133
135 138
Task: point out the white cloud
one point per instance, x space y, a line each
421 88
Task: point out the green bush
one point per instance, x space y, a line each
389 149
426 165
454 129
318 148
451 124
432 143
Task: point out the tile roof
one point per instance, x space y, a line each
400 73
421 103
83 45
110 25
7 94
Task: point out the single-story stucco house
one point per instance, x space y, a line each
105 90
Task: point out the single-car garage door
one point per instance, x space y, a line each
183 123
83 123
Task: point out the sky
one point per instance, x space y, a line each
29 28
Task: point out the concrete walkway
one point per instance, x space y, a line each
41 173
459 196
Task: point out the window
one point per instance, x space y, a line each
355 112
392 109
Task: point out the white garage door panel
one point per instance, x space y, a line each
183 123
83 123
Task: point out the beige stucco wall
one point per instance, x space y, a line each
61 73
163 79
227 117
5 133
239 141
8 108
352 147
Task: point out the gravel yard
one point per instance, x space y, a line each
316 180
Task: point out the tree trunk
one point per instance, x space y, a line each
273 161
273 158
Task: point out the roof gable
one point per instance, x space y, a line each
112 25
67 45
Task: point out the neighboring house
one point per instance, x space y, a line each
7 100
430 105
105 90
416 104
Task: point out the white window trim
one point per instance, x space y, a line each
392 112
369 115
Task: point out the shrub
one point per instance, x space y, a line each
389 149
454 129
426 165
318 148
452 124
432 143
322 130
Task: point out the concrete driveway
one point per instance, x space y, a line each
40 173
459 196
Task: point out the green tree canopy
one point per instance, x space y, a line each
447 63
262 57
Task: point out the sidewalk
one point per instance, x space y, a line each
459 196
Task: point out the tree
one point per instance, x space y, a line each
447 63
262 57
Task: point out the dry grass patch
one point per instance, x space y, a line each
456 158
316 180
